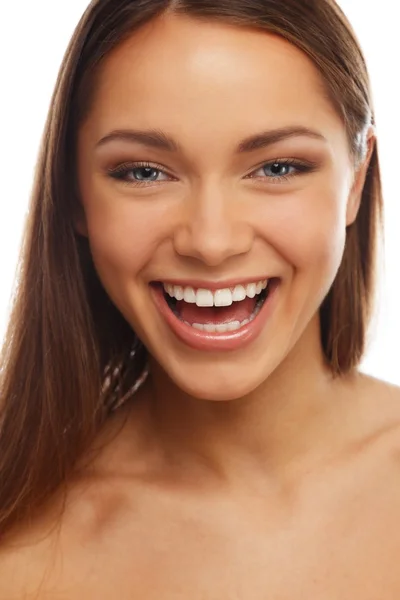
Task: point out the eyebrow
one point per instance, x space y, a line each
154 138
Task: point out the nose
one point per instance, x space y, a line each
213 228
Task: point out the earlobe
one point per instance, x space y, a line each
355 196
80 228
80 224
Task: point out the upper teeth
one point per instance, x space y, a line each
223 297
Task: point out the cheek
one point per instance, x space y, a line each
308 229
123 232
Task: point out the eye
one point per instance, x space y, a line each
144 173
281 170
139 173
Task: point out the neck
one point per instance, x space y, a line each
289 419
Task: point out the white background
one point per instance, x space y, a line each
33 40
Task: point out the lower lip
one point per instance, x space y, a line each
223 342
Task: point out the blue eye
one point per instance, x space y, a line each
137 173
143 173
280 171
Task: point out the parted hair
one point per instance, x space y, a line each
69 355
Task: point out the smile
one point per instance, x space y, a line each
215 318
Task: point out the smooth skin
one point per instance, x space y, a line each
241 475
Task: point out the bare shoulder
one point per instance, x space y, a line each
379 394
390 390
50 555
378 410
23 564
55 551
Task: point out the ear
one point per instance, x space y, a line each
80 223
355 196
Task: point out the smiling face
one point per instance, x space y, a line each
249 183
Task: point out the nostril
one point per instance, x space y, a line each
213 243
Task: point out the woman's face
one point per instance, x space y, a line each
214 212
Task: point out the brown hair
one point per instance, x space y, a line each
68 352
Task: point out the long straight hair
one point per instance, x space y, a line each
68 353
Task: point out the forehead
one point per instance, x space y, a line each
194 76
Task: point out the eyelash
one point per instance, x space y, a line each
120 173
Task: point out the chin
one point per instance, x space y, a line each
214 393
218 382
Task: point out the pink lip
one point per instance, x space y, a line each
205 341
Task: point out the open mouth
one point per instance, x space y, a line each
217 311
221 319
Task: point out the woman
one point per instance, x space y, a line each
183 415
